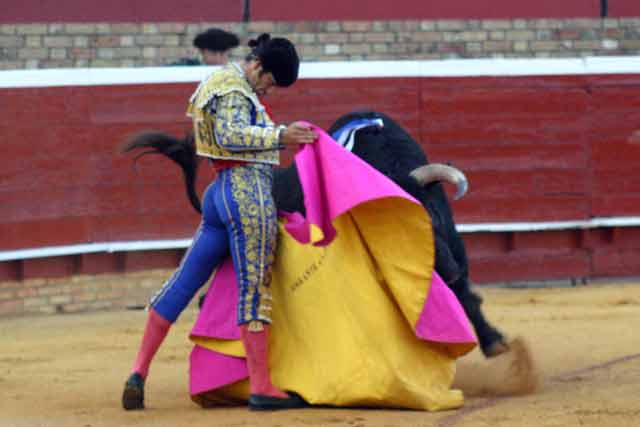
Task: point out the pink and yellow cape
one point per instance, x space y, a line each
360 318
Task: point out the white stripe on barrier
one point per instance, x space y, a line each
88 248
146 245
331 70
506 227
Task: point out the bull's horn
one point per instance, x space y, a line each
439 172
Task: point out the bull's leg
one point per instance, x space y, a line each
492 342
452 265
445 264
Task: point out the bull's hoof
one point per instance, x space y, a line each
492 342
496 348
133 394
259 402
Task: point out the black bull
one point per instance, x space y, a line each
392 151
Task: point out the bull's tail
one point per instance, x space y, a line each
181 151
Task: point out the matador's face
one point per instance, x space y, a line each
261 82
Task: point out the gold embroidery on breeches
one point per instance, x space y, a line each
252 212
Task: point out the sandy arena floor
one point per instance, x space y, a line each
68 370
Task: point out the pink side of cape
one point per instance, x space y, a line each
333 181
209 370
442 318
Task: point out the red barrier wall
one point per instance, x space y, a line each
534 149
290 10
29 11
623 8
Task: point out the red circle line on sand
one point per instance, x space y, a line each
451 420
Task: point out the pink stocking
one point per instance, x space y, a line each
154 333
256 344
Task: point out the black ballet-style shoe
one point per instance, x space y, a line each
133 394
258 402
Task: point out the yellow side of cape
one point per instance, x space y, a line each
344 316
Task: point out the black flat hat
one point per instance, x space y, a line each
278 56
216 40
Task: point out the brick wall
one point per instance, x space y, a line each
80 293
56 45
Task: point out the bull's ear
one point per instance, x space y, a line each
427 174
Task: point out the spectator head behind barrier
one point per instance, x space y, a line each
214 45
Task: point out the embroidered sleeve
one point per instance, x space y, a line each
233 128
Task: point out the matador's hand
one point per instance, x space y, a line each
298 133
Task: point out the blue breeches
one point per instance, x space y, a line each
238 218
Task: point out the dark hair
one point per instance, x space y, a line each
277 56
216 40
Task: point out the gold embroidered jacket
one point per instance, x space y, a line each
229 121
